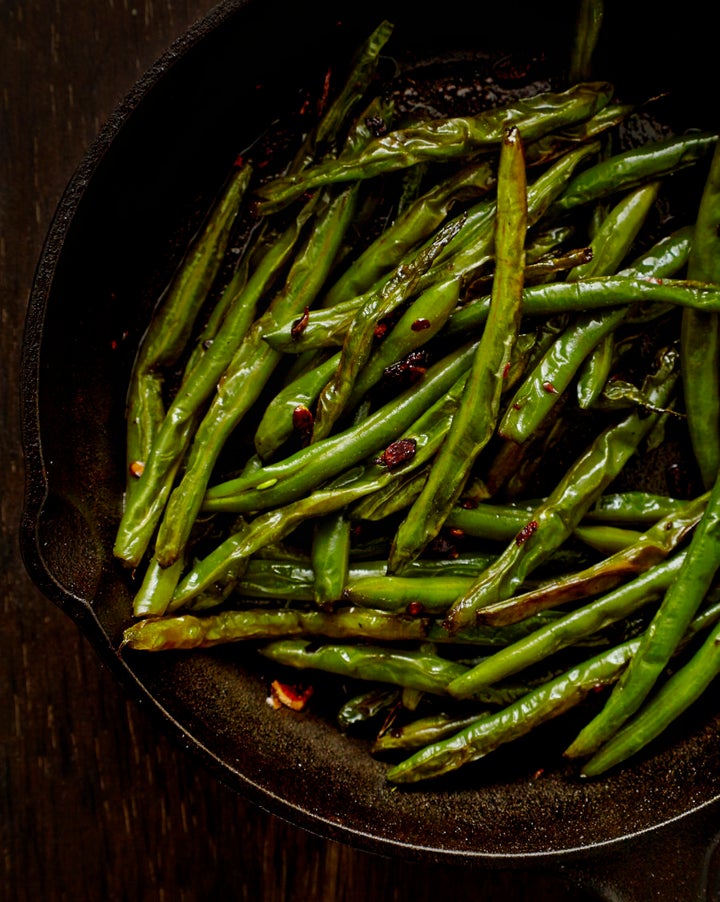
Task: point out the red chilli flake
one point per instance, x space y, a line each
415 608
550 388
299 326
420 325
408 370
302 417
506 370
137 468
526 532
376 125
289 696
322 103
397 453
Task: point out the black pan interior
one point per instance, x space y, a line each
130 209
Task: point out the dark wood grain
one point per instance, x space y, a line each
94 804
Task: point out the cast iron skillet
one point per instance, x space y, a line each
111 249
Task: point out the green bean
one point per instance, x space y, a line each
399 593
632 168
277 423
704 619
588 26
415 669
541 270
634 507
677 694
359 339
700 334
420 322
426 567
412 182
363 70
496 636
245 377
678 607
609 539
175 434
550 147
391 499
473 245
274 580
251 359
227 562
137 523
540 391
651 548
416 224
187 631
422 732
366 706
288 479
553 520
330 557
444 139
595 371
541 704
666 257
621 395
287 580
170 328
476 243
220 309
616 235
592 294
513 467
172 322
501 523
622 601
249 622
490 731
474 422
158 585
323 329
544 240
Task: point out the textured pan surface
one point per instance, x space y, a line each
111 249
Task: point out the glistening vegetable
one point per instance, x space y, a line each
401 441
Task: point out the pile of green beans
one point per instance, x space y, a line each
406 437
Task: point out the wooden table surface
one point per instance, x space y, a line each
94 804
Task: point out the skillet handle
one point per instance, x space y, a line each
679 861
